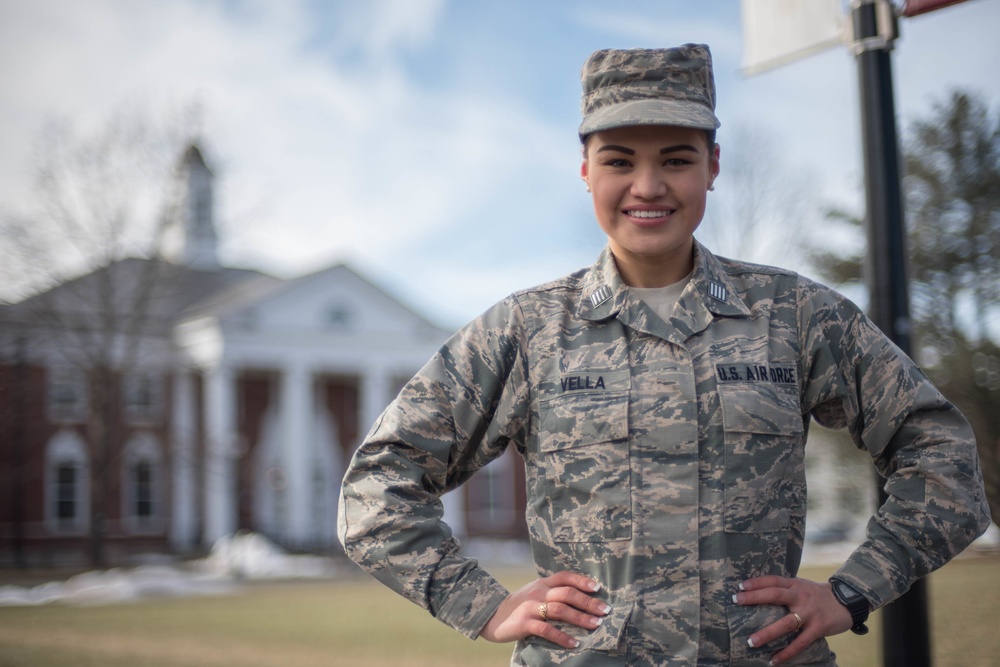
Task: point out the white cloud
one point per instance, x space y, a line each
332 139
324 157
387 24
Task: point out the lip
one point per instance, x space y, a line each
648 222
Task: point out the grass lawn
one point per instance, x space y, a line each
354 621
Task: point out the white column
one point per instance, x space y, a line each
454 512
183 516
220 473
296 429
375 387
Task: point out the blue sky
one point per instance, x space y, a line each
432 144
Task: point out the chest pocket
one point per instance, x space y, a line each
583 446
764 457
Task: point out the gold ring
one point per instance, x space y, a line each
798 621
543 611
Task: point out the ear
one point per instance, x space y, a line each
585 175
714 165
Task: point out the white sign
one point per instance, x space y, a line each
776 32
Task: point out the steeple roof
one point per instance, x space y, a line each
193 158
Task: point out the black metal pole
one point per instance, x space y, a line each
906 629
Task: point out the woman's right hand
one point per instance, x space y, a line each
568 597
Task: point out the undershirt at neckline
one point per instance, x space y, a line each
664 299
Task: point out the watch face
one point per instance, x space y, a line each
847 594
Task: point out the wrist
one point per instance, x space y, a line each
857 605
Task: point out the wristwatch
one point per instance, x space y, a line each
855 602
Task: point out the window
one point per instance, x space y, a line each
142 481
339 317
142 505
143 393
67 395
491 500
66 483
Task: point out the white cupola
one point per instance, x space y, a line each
199 246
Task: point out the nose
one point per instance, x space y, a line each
648 183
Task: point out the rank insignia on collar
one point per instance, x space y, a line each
602 294
717 291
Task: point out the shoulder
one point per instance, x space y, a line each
524 311
763 288
759 282
748 275
559 294
568 284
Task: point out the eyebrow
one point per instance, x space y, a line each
678 147
663 151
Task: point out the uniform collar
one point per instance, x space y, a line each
709 293
603 292
713 285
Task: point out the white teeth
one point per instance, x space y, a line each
648 214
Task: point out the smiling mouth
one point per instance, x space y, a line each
648 214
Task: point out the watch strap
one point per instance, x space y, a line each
855 602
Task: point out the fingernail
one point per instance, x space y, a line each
750 642
736 599
606 609
597 622
595 586
741 586
772 663
576 643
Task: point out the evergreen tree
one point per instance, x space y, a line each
952 204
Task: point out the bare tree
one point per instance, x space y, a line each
759 210
88 251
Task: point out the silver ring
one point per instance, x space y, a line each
543 611
798 621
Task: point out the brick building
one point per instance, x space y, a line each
237 407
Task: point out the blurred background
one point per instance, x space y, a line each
231 230
427 140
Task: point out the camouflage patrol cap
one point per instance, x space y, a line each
623 87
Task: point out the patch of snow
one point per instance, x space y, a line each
988 541
252 556
242 557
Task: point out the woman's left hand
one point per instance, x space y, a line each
813 612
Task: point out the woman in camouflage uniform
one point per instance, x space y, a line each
661 400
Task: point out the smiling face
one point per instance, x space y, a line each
649 186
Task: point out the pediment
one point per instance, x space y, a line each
336 301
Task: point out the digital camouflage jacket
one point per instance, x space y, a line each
665 459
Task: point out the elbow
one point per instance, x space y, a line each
976 520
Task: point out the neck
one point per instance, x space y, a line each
658 271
